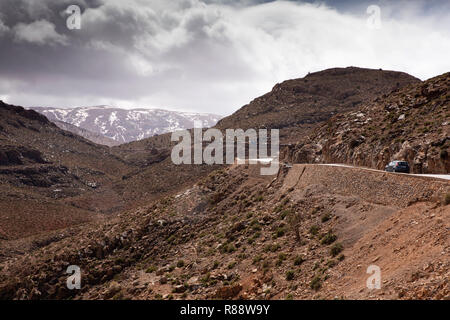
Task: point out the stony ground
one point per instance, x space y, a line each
309 233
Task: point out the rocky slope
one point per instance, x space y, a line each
410 124
296 106
308 234
94 137
51 178
123 125
200 233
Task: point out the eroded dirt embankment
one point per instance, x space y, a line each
396 222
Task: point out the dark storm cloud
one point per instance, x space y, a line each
210 56
77 66
111 56
28 11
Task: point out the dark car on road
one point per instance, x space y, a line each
397 166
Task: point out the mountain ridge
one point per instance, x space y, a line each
296 106
127 125
409 124
226 232
51 178
91 136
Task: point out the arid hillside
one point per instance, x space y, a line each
51 178
296 106
140 227
309 233
154 175
91 136
410 124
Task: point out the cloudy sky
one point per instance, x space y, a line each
205 55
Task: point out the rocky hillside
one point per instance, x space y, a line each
51 178
310 233
290 100
94 137
126 125
296 106
410 124
216 232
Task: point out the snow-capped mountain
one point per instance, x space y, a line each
125 125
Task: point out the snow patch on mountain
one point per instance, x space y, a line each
126 125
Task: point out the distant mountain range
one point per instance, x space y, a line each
124 125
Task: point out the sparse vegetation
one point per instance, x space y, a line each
314 230
180 264
284 214
298 260
331 263
290 275
171 239
259 198
281 258
325 217
336 249
279 233
266 266
447 199
316 283
257 259
227 248
274 247
328 238
151 269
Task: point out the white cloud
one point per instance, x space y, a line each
41 32
223 56
3 28
142 66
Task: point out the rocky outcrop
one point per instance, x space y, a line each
11 155
410 124
298 105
